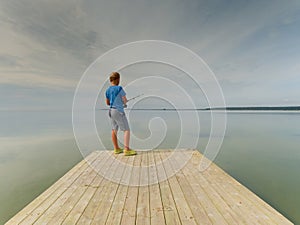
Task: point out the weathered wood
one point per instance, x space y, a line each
87 215
202 185
143 208
117 208
183 208
156 207
108 195
64 203
148 188
90 189
169 205
130 206
60 185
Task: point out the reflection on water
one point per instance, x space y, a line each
36 148
259 149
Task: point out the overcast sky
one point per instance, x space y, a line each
253 47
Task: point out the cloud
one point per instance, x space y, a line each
35 80
52 42
13 142
48 35
8 61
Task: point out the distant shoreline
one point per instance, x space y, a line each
231 108
258 108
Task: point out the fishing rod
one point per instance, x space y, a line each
134 97
125 105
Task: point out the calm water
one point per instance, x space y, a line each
261 150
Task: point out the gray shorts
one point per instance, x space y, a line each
118 120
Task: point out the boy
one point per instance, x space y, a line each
116 99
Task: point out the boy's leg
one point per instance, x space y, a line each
126 139
114 139
122 123
127 150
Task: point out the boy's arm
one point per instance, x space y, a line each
124 99
107 101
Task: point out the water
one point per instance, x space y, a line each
261 150
36 148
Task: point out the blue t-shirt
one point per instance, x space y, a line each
115 94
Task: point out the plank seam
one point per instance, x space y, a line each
171 191
85 190
77 177
115 194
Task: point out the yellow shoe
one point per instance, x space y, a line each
118 151
129 152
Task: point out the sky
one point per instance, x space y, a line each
252 47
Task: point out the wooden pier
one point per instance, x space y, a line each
147 188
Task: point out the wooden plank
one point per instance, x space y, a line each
192 173
129 212
117 208
143 208
182 205
156 207
239 211
201 196
61 184
247 203
90 210
108 194
90 190
64 204
268 213
196 207
38 211
169 206
247 210
147 189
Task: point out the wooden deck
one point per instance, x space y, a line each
141 190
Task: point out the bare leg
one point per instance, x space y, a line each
126 139
127 150
114 139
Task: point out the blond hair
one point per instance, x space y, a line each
114 78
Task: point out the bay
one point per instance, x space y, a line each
260 150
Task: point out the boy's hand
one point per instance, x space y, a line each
107 102
124 99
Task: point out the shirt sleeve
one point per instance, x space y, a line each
106 94
122 92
